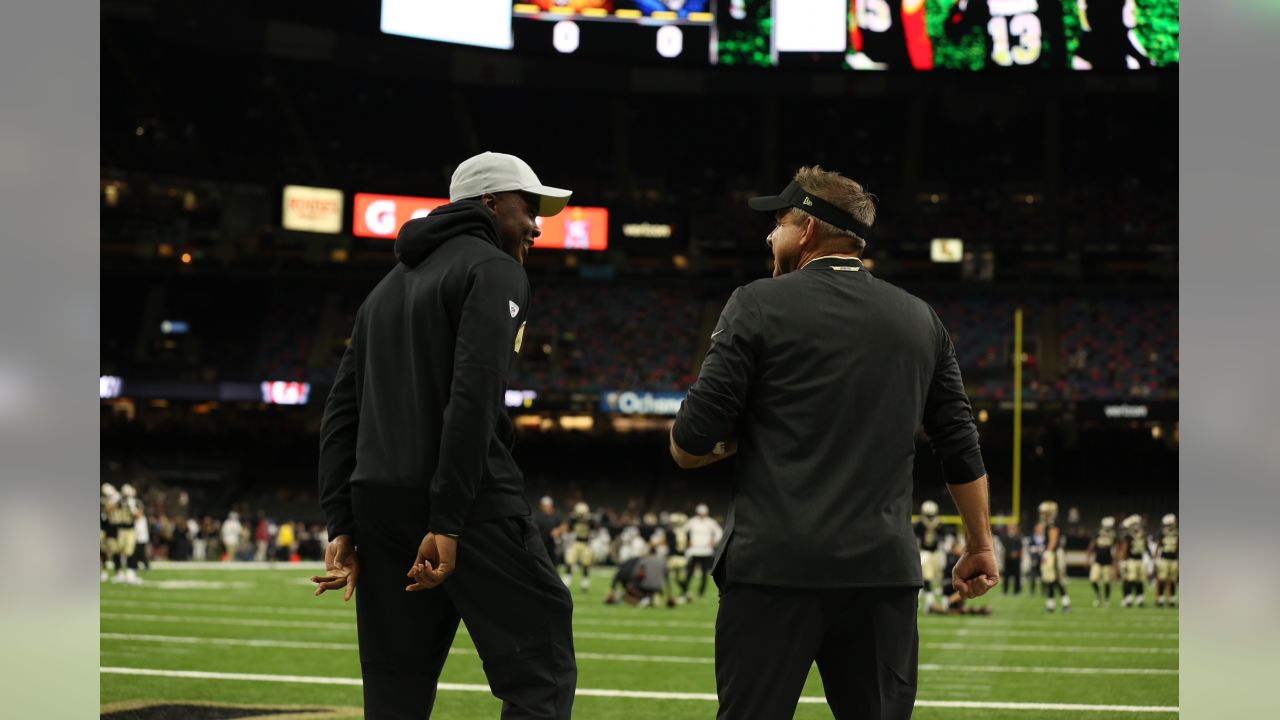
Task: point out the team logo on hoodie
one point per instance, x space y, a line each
514 308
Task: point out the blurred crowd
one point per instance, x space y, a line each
142 525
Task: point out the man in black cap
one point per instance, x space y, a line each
425 505
818 380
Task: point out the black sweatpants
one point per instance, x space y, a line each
697 562
865 642
517 610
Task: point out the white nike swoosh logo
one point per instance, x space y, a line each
716 333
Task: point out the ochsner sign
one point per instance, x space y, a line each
631 402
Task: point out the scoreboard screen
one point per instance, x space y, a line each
856 35
669 31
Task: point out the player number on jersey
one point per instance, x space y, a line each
1023 26
874 15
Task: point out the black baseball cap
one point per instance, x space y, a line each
794 196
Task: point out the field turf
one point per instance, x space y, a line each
194 634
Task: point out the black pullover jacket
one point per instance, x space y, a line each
419 396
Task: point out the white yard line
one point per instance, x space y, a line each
207 565
349 612
980 646
247 622
641 694
638 637
615 657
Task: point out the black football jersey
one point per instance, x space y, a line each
1016 31
1137 545
1103 545
929 533
875 30
581 524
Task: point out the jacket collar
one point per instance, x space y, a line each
847 264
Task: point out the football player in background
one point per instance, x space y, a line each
107 541
1109 38
142 539
1014 546
1167 562
704 536
678 561
979 34
1035 553
888 34
548 522
1134 554
120 514
929 536
131 505
579 554
1102 562
1053 562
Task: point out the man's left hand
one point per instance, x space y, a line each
436 561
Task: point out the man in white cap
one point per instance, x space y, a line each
425 506
704 536
231 532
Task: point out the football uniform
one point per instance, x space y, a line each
1109 38
121 520
929 535
1008 33
1016 31
126 531
1167 564
888 34
1133 561
106 529
1052 561
1102 569
579 553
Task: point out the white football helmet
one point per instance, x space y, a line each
582 508
1108 522
1048 510
128 491
929 508
109 490
1132 522
1169 520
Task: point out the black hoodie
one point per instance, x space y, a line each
418 399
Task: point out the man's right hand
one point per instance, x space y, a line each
975 573
342 567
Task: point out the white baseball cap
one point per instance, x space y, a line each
491 172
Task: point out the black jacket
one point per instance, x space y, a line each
418 399
824 376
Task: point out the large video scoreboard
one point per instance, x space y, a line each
861 35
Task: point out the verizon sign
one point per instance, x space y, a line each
312 209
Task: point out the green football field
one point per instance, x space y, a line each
258 638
